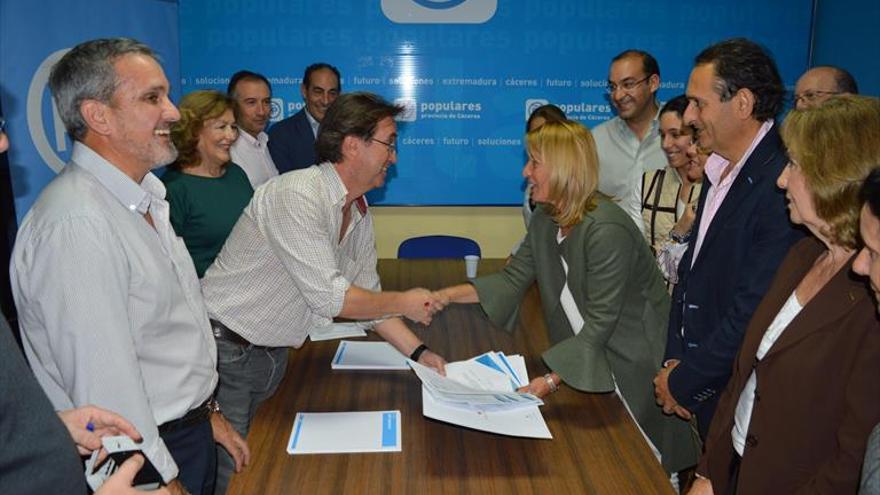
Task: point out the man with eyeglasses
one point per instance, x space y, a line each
629 144
820 83
303 253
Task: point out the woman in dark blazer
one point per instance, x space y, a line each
604 300
805 389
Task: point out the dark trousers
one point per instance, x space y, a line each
193 450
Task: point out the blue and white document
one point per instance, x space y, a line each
354 355
345 432
480 393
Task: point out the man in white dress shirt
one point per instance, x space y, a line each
107 295
303 253
629 144
252 95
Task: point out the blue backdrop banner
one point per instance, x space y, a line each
468 71
34 34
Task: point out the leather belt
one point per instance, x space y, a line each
222 332
191 418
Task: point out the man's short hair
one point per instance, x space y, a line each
870 193
352 114
86 72
245 75
740 63
649 63
844 81
307 76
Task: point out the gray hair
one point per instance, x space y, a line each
86 72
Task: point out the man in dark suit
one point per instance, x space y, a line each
742 230
292 141
868 264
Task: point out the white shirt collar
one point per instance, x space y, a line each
134 196
257 142
312 122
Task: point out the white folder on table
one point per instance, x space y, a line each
338 331
345 432
353 355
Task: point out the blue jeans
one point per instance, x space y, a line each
248 376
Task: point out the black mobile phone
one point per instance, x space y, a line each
148 475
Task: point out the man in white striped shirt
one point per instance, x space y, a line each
304 252
107 294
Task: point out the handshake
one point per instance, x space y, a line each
420 305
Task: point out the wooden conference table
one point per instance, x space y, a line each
596 447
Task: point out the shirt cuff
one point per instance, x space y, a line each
158 454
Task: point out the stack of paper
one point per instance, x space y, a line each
480 393
339 331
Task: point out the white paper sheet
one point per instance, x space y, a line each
523 422
477 376
447 390
338 331
480 393
345 432
353 355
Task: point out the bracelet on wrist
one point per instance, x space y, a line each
417 353
551 383
680 238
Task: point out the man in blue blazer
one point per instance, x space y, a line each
742 230
292 141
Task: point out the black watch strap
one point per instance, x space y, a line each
416 354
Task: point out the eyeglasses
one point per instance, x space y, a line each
392 147
625 85
810 96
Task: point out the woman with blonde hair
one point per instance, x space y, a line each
207 192
605 302
804 393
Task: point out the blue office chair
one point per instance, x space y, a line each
437 246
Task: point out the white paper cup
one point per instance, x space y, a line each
470 264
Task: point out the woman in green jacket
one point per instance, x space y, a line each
604 299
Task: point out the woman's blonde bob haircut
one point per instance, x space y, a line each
836 145
568 149
195 108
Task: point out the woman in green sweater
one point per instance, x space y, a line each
604 300
206 190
